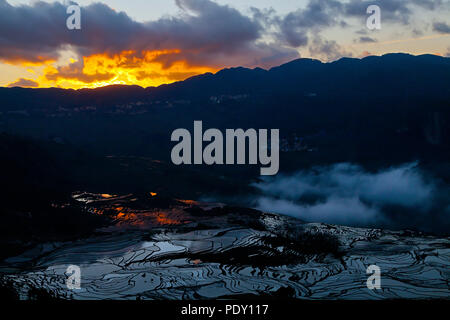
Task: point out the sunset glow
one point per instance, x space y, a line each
128 68
150 44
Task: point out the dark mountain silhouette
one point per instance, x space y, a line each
385 75
378 109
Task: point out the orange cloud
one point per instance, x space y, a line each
112 48
145 69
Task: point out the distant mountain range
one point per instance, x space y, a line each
398 75
395 106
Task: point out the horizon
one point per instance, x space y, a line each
228 68
150 44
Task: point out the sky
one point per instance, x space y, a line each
153 42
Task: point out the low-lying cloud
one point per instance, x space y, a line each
397 197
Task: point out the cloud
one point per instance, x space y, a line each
362 32
203 36
328 50
417 33
317 15
441 27
303 27
392 11
366 40
365 54
398 197
75 71
343 211
205 33
25 83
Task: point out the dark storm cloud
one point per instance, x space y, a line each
205 32
398 197
220 34
31 33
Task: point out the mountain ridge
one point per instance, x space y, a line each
372 104
303 62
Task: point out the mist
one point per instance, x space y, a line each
402 197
